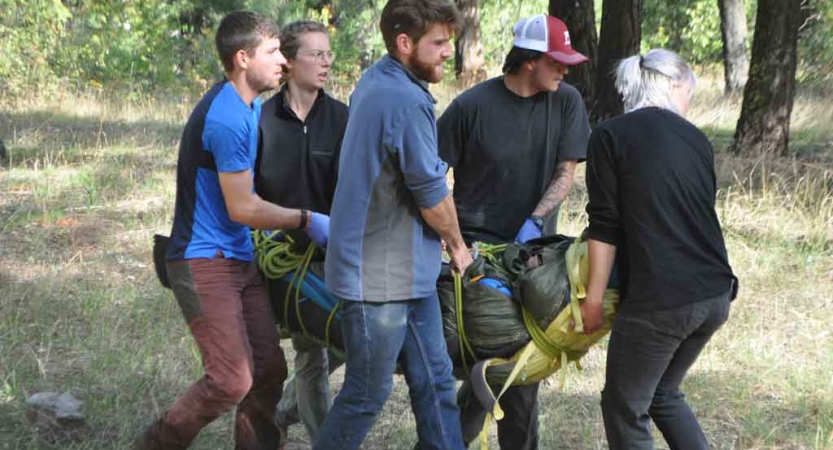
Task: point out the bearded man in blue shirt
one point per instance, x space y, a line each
390 210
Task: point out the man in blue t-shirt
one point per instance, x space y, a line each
209 259
391 208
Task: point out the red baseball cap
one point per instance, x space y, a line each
548 35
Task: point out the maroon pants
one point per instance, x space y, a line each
227 309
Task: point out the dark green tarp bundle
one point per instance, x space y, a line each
540 282
492 321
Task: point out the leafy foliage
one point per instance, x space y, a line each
134 47
816 42
688 27
30 33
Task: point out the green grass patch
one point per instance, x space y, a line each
80 310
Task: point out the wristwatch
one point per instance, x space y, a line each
538 221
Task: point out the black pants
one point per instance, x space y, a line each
518 430
648 356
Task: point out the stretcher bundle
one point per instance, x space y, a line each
518 303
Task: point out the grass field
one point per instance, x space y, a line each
88 182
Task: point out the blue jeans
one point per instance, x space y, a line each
648 356
376 336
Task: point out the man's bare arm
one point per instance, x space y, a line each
443 219
558 188
246 207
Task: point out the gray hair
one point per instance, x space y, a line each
646 80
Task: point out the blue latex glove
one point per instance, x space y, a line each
528 232
319 228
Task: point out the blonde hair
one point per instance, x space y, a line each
647 80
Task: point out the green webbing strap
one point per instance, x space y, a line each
577 289
461 331
329 322
490 252
546 345
298 279
274 258
539 336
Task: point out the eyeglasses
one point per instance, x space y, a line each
321 56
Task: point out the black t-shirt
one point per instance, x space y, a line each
504 150
297 162
652 187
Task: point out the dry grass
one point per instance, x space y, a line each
89 182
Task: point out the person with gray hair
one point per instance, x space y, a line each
652 188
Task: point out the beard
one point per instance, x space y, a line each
425 71
262 83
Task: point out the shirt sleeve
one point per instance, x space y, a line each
421 166
450 134
603 207
575 127
230 147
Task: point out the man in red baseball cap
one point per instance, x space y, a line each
546 34
514 142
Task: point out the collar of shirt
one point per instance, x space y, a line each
391 62
287 108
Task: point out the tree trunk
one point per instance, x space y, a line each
733 31
764 124
580 17
620 37
468 51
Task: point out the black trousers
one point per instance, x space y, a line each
518 430
648 356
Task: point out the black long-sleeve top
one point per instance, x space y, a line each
297 162
652 187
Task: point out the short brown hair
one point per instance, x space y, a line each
242 30
414 18
291 35
516 58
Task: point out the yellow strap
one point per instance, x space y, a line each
498 411
462 340
539 336
484 433
577 290
329 322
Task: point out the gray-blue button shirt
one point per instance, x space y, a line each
380 248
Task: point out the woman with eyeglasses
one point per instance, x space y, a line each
301 128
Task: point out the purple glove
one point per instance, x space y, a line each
319 229
528 232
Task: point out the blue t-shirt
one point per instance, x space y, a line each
380 248
220 136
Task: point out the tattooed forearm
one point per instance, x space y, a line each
558 188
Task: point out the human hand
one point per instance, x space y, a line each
318 228
460 259
592 314
529 230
